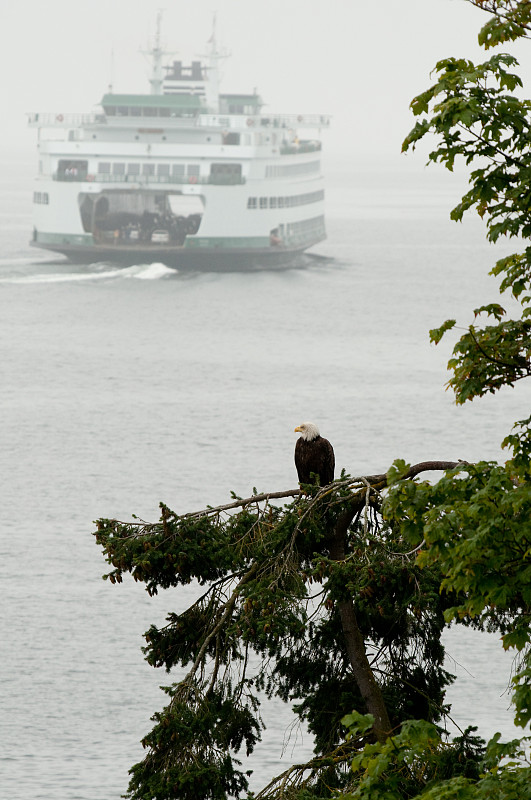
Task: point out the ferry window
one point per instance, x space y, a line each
133 169
272 202
135 112
226 173
231 138
281 202
148 169
163 170
193 170
71 170
177 170
263 202
251 202
104 167
164 112
118 168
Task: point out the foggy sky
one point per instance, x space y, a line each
361 62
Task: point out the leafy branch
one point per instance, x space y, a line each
511 20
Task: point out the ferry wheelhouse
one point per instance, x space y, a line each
184 175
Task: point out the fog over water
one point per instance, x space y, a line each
122 388
360 62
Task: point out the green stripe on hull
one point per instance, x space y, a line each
301 240
86 239
249 242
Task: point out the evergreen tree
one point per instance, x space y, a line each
321 593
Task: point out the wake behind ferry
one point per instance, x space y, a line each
184 175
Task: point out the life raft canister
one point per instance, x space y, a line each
59 118
192 179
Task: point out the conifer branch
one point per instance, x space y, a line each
378 481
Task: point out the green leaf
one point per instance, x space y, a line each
436 334
357 723
397 471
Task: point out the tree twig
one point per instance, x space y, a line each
378 481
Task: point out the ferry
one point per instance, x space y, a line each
184 175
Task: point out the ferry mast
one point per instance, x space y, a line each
157 54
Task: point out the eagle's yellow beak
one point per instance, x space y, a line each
298 429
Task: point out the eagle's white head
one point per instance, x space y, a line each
308 431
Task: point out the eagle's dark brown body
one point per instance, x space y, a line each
317 456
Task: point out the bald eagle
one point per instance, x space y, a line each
313 454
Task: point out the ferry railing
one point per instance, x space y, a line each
282 121
222 121
300 147
51 120
143 180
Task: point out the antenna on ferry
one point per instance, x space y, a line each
212 40
157 53
111 77
214 55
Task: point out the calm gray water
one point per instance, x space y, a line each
121 388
